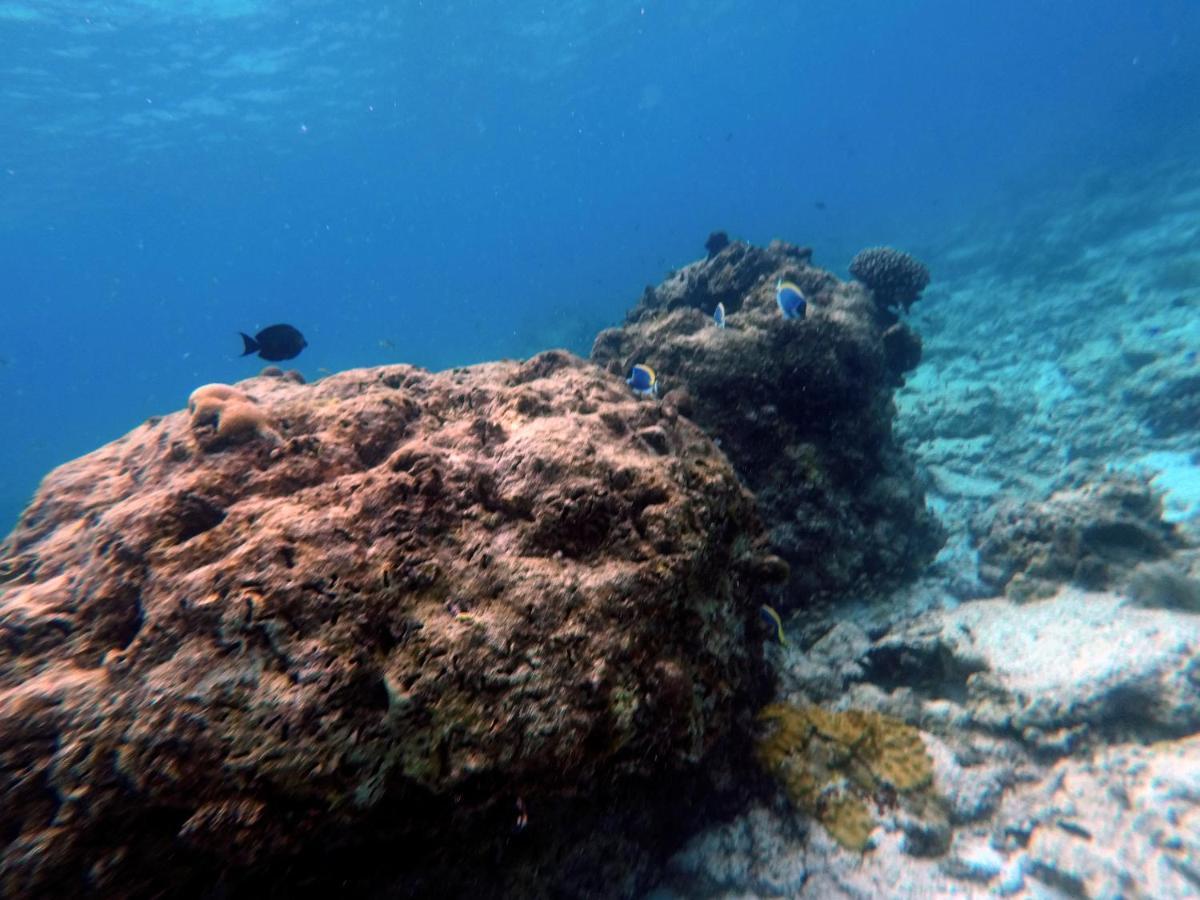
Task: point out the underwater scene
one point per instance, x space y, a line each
655 450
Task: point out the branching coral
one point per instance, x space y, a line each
895 278
833 765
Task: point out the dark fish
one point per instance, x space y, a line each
717 241
1074 828
276 342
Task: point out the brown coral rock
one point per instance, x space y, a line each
346 661
240 419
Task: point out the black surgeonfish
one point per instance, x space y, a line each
275 343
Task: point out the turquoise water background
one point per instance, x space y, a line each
443 183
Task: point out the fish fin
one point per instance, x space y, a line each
251 344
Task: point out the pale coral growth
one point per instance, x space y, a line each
234 415
208 394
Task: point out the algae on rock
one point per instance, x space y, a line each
833 765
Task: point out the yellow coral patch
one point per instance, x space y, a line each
833 765
848 821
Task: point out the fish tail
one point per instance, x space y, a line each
251 344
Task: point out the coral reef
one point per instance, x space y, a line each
728 276
895 278
430 642
834 765
1062 741
276 372
802 408
1092 536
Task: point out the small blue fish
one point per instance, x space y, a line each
643 381
790 299
772 619
719 315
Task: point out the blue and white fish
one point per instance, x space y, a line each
790 299
719 315
643 381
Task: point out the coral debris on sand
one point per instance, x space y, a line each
1062 737
803 409
482 632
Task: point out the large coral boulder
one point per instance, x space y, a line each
803 408
484 632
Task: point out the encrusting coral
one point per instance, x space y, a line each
208 399
222 414
240 418
834 764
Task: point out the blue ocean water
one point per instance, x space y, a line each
443 183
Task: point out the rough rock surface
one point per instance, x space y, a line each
351 644
1122 822
1034 715
1168 398
1076 668
803 409
1092 536
1117 823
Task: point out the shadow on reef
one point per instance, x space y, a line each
803 408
